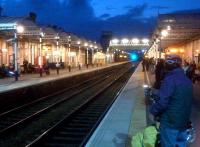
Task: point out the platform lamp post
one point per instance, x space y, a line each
86 45
163 33
40 59
96 48
69 52
19 29
91 47
157 51
57 53
57 48
79 54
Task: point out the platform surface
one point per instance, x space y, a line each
126 117
128 114
7 84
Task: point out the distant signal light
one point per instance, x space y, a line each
134 56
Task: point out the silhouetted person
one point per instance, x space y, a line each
46 69
191 71
159 73
147 64
16 75
79 66
25 65
143 64
57 67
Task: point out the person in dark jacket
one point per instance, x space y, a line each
159 73
143 64
191 71
174 104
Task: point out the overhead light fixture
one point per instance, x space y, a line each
135 41
86 44
145 41
115 41
164 33
20 29
125 41
168 28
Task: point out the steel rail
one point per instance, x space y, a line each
77 111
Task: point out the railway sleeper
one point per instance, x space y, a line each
71 124
3 126
12 119
5 123
83 123
72 134
66 139
69 129
59 145
19 116
89 115
83 120
94 110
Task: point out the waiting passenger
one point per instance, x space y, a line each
173 105
159 73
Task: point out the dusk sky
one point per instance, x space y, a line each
89 17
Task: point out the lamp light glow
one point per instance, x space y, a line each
164 33
115 41
145 41
135 41
20 29
134 56
125 41
168 28
86 44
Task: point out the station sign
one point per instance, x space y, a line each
8 26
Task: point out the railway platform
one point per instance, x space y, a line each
7 84
128 114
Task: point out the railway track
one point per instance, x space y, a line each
17 117
77 126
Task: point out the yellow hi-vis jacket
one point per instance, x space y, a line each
146 138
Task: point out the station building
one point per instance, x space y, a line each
177 34
39 45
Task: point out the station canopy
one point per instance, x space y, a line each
9 24
181 28
129 44
31 30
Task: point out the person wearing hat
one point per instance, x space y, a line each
173 106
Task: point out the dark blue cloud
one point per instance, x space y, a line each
159 7
78 16
131 23
104 16
188 11
136 11
110 8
